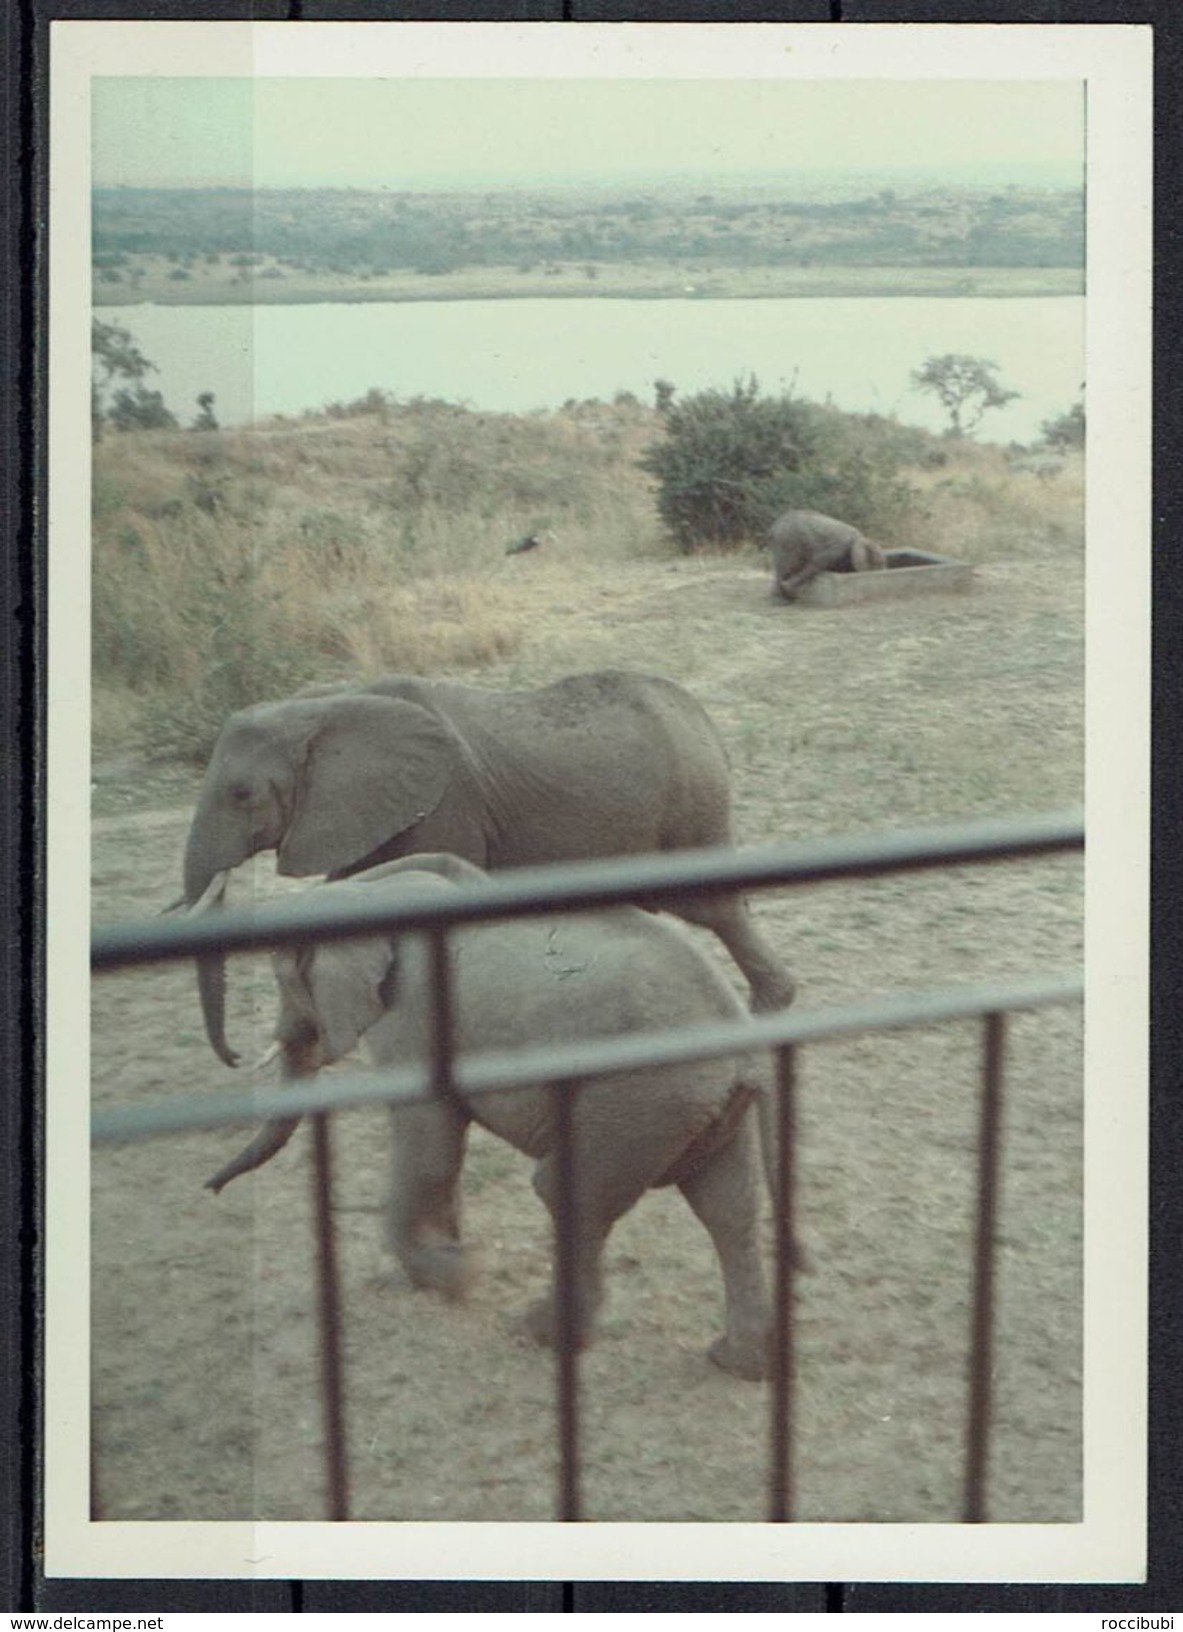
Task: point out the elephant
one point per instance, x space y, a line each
804 543
547 980
604 764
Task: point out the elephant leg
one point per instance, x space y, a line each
725 1196
423 1216
790 586
769 981
596 1210
825 558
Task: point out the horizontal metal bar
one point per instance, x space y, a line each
658 879
509 1068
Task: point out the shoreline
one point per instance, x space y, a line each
635 283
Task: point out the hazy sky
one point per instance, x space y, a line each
407 132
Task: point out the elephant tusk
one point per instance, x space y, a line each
173 906
266 1057
214 891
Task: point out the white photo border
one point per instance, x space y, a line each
1114 61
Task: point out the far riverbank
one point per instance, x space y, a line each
153 280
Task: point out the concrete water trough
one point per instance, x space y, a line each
908 572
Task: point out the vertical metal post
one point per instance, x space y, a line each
443 1015
780 1502
981 1354
566 1300
329 1311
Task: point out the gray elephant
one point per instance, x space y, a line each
546 980
804 543
602 764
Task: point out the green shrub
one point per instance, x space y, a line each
856 488
720 463
730 463
134 408
206 418
1064 430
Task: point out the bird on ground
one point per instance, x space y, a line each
528 541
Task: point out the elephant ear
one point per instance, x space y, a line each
352 984
372 767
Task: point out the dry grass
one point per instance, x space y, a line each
235 565
231 566
977 506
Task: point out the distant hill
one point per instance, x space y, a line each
685 223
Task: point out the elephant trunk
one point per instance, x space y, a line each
204 892
301 1057
268 1142
211 987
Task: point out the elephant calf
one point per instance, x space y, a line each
804 543
546 980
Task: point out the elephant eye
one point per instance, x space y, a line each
239 792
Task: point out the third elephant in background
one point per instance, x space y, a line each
804 543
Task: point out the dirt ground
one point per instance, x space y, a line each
838 721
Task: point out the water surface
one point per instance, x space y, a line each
518 355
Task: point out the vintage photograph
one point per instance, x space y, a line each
504 454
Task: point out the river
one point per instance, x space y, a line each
519 355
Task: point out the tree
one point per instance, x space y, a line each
1065 430
965 386
115 356
206 420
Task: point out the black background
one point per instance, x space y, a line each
23 111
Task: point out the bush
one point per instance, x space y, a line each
1064 430
206 418
730 464
135 408
721 461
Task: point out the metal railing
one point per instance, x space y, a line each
656 880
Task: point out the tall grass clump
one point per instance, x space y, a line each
235 566
978 507
192 610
